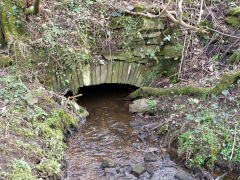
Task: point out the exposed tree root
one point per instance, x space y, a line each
225 82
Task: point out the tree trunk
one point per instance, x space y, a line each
12 15
11 20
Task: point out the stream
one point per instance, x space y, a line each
111 145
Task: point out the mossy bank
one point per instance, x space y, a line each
33 126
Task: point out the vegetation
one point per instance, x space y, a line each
191 44
32 130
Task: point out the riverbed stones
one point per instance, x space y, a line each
139 106
183 175
150 168
150 157
108 163
138 169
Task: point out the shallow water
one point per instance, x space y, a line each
107 133
110 132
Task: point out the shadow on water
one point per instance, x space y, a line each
106 134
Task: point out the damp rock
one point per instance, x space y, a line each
150 168
182 175
150 157
142 136
137 170
136 123
139 106
166 157
108 163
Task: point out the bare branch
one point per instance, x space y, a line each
180 10
200 13
169 14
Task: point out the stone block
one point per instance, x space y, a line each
103 76
98 74
120 73
115 72
93 74
152 24
109 73
86 74
122 54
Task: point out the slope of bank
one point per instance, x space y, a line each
33 126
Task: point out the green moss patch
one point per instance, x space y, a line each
233 17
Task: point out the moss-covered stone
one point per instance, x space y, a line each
172 51
151 24
145 50
154 41
123 54
4 61
136 43
152 34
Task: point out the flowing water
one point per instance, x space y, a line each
111 144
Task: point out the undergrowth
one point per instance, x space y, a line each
207 130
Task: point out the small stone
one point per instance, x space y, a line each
150 157
130 8
138 169
182 175
139 106
4 60
108 163
110 170
31 100
151 168
136 123
166 157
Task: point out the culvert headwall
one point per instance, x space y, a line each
114 72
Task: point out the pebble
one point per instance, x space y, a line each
108 163
182 175
150 157
137 170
